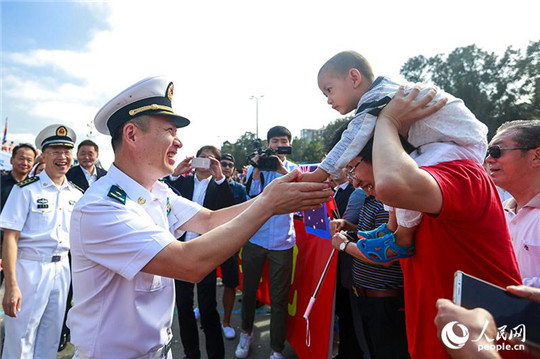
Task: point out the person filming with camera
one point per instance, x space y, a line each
274 242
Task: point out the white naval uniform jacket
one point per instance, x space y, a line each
116 229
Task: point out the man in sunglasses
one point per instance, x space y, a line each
513 162
229 268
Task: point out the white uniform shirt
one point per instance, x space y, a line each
41 212
525 231
119 311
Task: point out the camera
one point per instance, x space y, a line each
267 159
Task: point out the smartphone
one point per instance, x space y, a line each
200 162
507 309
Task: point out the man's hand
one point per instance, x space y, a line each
475 321
285 195
404 110
215 169
12 301
337 239
183 166
337 225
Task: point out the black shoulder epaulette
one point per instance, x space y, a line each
27 181
77 187
118 194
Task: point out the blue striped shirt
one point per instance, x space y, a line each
370 276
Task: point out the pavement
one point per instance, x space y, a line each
260 347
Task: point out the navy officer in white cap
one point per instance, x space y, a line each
123 238
35 221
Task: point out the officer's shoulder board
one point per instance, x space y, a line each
27 181
117 194
77 187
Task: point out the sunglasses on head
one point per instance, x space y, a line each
496 151
227 164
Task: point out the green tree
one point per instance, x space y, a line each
496 89
304 151
240 149
330 132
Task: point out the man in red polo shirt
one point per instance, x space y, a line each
463 227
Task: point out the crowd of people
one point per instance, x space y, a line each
101 258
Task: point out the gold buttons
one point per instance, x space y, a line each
141 200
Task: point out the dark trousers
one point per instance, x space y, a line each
383 321
210 322
279 274
348 344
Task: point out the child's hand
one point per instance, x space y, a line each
404 110
318 175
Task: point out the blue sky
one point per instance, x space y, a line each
62 60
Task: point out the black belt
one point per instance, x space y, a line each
383 293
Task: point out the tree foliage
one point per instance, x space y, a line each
496 89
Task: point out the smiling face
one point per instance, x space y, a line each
58 160
158 145
513 167
361 174
23 161
339 90
87 157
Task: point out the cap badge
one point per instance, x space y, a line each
170 91
61 131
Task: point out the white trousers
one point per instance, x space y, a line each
35 332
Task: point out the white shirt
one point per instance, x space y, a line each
199 192
525 231
119 311
90 177
41 212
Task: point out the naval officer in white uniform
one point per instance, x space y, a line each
123 236
35 221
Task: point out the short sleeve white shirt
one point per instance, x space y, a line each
119 311
41 212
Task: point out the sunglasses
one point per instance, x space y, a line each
227 164
496 151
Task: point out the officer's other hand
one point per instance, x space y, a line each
12 301
183 167
285 195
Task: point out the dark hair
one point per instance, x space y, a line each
278 131
116 137
88 143
525 132
210 148
342 62
367 151
23 145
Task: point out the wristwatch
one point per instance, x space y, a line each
343 245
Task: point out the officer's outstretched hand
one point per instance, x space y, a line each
12 301
285 195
